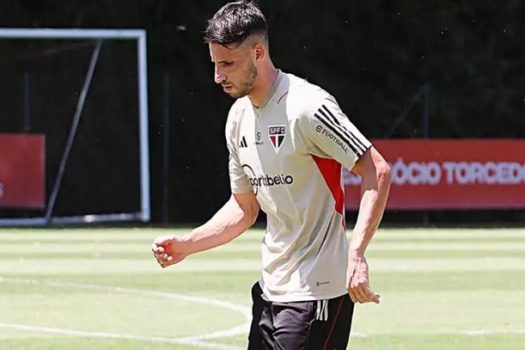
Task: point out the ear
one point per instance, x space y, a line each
259 52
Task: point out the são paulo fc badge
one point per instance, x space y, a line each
276 133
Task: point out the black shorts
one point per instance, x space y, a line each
304 325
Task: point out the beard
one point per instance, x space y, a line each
246 86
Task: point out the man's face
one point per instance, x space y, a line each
234 68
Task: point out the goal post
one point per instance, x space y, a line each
98 37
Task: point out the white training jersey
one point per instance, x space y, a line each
289 152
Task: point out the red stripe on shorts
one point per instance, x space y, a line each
332 327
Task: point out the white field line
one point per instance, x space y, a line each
481 332
77 333
196 341
357 334
15 267
192 340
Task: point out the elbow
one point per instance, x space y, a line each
252 220
250 217
253 217
384 175
248 221
245 208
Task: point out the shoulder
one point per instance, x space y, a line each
235 113
304 87
238 108
305 98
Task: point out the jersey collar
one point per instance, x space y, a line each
271 93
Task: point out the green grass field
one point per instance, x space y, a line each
76 289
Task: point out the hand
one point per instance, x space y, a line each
168 250
358 282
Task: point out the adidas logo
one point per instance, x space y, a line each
243 143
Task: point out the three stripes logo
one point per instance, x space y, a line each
243 143
276 133
334 130
321 312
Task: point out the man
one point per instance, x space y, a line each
287 141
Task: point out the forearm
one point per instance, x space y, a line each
375 185
374 195
229 222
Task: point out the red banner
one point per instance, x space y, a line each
451 174
22 171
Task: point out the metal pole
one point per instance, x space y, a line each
143 129
73 131
166 161
404 113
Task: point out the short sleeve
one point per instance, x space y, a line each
328 133
239 182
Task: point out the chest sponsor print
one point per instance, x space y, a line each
266 180
276 134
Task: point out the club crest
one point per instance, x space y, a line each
276 133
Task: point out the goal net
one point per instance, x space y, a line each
73 126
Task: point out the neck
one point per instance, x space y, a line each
266 78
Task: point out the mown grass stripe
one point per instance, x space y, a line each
437 233
448 264
385 246
113 247
199 265
449 240
401 254
254 234
443 253
142 255
80 266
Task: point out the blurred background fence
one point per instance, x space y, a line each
400 70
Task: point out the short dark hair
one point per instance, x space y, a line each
234 22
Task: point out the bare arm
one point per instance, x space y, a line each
375 185
235 217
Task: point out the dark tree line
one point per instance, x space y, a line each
372 55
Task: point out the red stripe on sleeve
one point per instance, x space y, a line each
331 171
